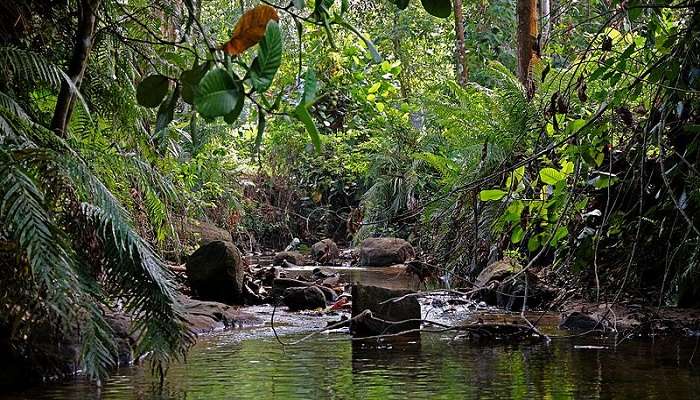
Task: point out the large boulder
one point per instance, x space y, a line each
405 313
324 251
503 284
292 257
192 231
215 272
382 252
304 298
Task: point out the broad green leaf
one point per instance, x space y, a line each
380 107
560 234
374 88
217 94
517 235
438 8
567 167
551 176
151 91
269 58
534 243
190 79
492 194
514 211
232 117
166 110
302 113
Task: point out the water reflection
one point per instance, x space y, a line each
436 367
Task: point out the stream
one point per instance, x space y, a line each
250 363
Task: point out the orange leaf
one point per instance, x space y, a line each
250 29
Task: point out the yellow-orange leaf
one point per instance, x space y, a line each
250 29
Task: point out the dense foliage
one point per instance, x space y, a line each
120 121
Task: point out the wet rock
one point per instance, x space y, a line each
304 298
504 286
280 285
324 251
292 257
578 321
216 271
210 316
382 252
404 313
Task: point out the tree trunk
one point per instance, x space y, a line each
461 68
527 42
78 63
546 20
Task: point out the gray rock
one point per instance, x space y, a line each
304 298
382 252
215 272
369 298
209 316
580 322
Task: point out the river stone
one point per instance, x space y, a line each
293 257
304 298
215 272
497 271
200 232
383 252
324 251
578 321
280 285
210 316
369 298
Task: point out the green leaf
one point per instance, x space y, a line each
261 129
374 87
151 91
517 235
302 113
269 58
438 8
534 243
492 194
551 176
232 117
166 110
560 234
190 79
217 94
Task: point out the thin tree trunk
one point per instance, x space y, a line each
546 22
461 68
78 63
527 42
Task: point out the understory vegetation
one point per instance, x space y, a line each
565 137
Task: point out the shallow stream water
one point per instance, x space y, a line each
251 364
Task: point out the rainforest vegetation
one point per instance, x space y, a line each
561 134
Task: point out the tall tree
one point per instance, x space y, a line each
461 69
527 42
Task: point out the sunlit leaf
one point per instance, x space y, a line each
438 8
302 113
492 194
551 176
